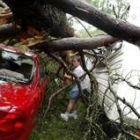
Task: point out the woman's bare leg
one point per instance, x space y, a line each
71 105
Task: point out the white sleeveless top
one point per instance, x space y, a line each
85 83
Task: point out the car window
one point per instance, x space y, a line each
15 67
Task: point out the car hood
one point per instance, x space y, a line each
12 93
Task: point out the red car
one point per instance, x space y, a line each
22 86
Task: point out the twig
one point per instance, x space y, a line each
83 26
52 96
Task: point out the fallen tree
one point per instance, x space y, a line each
21 11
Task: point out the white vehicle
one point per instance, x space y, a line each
119 80
119 84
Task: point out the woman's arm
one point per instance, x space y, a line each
68 77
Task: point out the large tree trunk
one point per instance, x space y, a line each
110 25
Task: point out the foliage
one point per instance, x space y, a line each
118 8
95 32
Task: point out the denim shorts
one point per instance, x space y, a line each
74 94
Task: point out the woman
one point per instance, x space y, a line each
74 92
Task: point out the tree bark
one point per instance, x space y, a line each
110 25
74 43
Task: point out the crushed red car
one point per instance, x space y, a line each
23 82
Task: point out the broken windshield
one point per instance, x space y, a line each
15 67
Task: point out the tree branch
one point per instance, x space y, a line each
52 96
9 30
75 43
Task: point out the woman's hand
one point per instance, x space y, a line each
67 78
